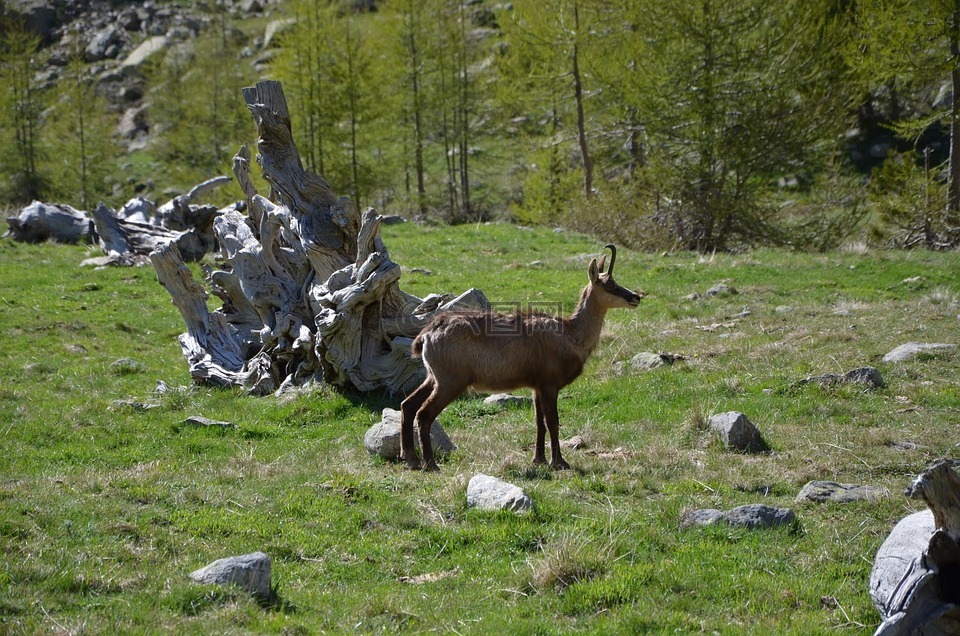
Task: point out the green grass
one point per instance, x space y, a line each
105 509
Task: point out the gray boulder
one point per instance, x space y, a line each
737 432
105 44
506 399
383 438
132 65
704 517
755 516
751 516
823 491
249 571
489 493
911 350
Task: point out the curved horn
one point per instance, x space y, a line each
613 257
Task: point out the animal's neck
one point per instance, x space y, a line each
586 322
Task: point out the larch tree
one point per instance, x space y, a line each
915 46
21 108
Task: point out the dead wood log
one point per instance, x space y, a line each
915 581
39 222
127 236
310 292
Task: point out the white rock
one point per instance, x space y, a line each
249 571
913 349
489 493
506 399
383 438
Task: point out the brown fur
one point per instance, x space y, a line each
502 352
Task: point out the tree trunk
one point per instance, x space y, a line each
953 196
311 293
581 121
915 582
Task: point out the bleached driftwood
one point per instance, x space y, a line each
310 292
127 236
47 221
915 581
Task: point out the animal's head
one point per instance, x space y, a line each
606 289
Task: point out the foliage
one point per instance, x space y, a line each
82 130
105 506
196 105
21 106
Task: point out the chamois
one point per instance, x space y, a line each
498 352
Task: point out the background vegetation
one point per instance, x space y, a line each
700 125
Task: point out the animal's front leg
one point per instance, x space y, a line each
552 417
539 454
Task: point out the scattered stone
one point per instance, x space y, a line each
251 572
705 517
751 516
691 297
127 366
736 431
103 44
506 399
430 577
646 361
904 446
422 270
198 421
574 443
489 493
911 350
134 405
721 289
868 376
755 516
823 491
383 438
133 64
392 219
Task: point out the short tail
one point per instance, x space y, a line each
416 349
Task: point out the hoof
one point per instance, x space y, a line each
431 467
413 464
539 461
560 465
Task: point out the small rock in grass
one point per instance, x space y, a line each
200 422
489 493
823 491
705 517
751 516
506 399
383 438
645 361
911 350
736 431
755 516
249 571
721 289
127 366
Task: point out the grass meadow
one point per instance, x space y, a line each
105 506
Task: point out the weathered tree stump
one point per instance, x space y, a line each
310 292
915 582
39 222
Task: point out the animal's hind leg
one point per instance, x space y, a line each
539 455
408 409
438 400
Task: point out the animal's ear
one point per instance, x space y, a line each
593 272
603 261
